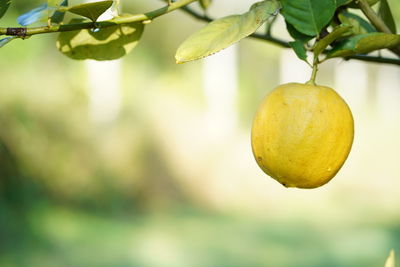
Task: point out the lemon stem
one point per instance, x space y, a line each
314 72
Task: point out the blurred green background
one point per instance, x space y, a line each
164 175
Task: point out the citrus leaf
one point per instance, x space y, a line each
354 3
308 16
92 10
221 33
364 43
299 49
105 44
298 36
390 261
43 12
53 3
205 3
4 4
360 25
342 2
58 15
386 14
6 40
37 14
337 33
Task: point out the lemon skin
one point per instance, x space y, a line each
302 134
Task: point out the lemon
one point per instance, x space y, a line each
302 134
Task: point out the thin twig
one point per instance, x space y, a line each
379 24
376 59
29 31
373 17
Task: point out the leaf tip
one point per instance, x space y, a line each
179 60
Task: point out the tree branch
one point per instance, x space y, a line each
373 17
377 22
375 59
24 31
285 44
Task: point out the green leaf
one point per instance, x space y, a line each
308 16
342 2
43 12
390 261
58 15
354 4
298 36
337 33
205 3
364 43
53 3
221 33
360 25
6 40
4 4
92 10
106 44
37 14
386 14
299 49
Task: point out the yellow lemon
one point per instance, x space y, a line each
302 134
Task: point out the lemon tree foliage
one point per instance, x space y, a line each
46 12
357 23
308 16
91 11
4 4
331 27
58 15
6 40
342 2
108 44
364 43
226 31
391 261
302 133
353 4
299 49
338 32
40 13
386 14
53 10
296 35
205 3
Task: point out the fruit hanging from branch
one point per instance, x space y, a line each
302 134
